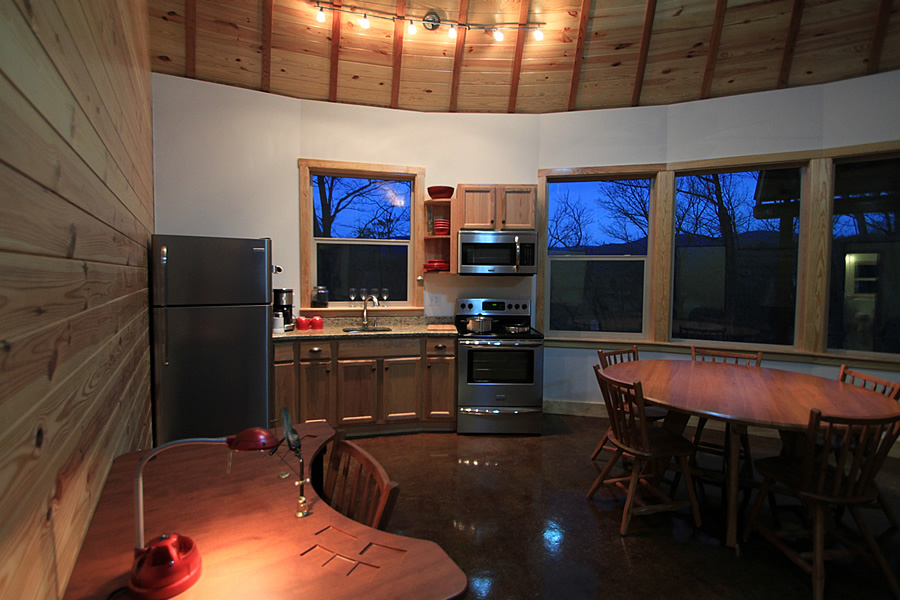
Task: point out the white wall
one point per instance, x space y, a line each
226 160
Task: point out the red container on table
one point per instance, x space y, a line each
302 323
316 323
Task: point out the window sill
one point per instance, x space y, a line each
377 311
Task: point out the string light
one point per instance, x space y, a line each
430 21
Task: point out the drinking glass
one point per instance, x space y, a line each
352 293
363 294
385 293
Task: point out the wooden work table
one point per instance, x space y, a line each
244 526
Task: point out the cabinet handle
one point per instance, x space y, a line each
315 350
440 346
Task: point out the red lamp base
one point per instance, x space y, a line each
165 567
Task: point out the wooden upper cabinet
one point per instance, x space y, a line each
496 206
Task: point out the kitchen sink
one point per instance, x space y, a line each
365 329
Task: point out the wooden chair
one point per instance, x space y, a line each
631 435
886 388
749 359
839 473
614 357
357 486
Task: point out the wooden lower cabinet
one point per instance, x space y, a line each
440 388
357 391
401 389
317 392
370 386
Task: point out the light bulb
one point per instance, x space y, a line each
320 17
538 34
364 22
452 33
411 30
498 35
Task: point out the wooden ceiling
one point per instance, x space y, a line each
595 53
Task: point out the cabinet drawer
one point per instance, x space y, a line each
379 348
284 352
436 346
315 350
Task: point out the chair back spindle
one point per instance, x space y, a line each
844 455
870 382
748 359
614 357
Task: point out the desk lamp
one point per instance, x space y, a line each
170 563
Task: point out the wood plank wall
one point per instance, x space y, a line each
76 214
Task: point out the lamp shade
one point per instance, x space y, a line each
255 438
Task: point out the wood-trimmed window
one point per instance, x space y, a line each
368 237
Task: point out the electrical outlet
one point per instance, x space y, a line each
434 299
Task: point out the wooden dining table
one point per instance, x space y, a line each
251 542
746 396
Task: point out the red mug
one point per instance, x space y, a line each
302 323
316 323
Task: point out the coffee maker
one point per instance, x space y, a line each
283 302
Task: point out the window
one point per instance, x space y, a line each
597 233
735 263
358 224
864 313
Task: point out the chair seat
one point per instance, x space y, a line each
788 471
662 443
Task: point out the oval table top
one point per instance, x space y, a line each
761 396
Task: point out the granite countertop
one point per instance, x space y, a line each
400 327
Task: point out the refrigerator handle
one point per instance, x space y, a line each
163 260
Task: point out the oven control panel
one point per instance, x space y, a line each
493 307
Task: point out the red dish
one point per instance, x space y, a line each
438 192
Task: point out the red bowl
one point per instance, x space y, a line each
438 192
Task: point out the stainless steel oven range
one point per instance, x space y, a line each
501 367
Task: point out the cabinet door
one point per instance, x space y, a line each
477 206
401 389
357 391
517 206
440 387
317 392
285 395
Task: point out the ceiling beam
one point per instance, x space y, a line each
580 42
462 19
190 38
715 38
268 10
521 34
881 27
784 73
335 51
398 53
646 32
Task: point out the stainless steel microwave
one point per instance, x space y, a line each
498 252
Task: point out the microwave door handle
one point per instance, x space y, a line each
518 254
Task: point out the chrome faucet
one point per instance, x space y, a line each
365 311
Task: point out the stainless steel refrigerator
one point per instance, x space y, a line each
211 320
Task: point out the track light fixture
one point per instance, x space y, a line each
430 21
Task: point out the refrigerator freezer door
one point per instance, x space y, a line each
213 370
192 270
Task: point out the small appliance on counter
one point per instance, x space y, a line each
283 303
501 367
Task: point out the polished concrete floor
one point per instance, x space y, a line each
511 511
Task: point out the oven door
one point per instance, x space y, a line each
500 373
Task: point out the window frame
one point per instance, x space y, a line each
547 260
815 226
310 167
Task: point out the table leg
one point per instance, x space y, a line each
734 454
